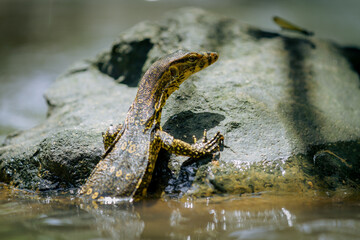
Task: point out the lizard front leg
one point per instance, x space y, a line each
196 150
110 135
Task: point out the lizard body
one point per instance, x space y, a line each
131 149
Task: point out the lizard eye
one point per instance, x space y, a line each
192 59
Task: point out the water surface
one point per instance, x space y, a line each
26 215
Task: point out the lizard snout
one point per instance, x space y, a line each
211 57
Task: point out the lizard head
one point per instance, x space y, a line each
183 63
180 65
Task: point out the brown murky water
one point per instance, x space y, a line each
26 215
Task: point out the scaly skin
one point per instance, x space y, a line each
131 149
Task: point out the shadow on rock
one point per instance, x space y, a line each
352 55
182 126
186 124
124 64
300 112
260 34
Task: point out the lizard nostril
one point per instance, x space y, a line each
212 57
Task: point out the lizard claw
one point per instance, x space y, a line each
194 138
204 140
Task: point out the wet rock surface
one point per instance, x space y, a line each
288 107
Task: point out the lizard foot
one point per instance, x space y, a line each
206 147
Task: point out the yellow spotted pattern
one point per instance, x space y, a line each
132 148
89 191
118 173
95 195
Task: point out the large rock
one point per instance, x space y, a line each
288 106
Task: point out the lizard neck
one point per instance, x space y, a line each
161 80
148 103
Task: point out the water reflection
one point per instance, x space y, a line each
117 221
331 228
57 216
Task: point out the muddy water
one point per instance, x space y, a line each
26 215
